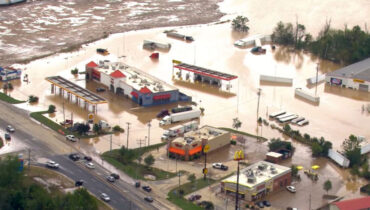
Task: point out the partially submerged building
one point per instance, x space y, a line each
258 180
190 146
7 74
141 87
355 76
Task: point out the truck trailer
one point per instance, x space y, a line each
181 116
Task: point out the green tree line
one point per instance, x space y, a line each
346 46
18 193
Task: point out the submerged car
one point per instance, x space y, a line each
291 189
10 129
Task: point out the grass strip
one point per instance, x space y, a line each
134 169
11 100
39 116
187 188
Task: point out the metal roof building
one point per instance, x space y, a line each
355 76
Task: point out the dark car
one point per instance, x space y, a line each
195 197
260 204
100 89
116 176
149 199
74 156
79 183
88 158
266 203
7 136
147 188
137 184
163 113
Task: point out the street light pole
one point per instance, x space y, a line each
149 125
128 131
317 75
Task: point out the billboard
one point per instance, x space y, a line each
335 81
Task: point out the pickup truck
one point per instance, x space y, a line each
220 166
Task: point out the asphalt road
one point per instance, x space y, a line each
52 146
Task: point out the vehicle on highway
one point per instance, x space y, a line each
137 184
149 199
74 156
116 176
104 197
194 197
111 178
266 203
79 183
260 204
10 129
220 166
7 136
291 189
52 164
147 188
87 158
71 138
100 89
90 165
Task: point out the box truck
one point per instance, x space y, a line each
181 116
180 129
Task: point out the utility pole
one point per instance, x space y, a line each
317 75
149 125
309 203
29 158
128 131
141 142
258 103
110 142
64 116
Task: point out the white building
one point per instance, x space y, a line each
355 76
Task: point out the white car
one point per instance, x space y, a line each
10 129
90 165
71 138
291 189
105 197
52 164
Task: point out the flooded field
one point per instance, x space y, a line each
336 117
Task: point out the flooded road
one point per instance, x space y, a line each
336 117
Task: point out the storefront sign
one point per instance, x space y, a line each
336 81
358 80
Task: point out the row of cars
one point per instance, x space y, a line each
146 188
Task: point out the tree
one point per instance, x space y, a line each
294 170
74 71
236 123
316 149
97 128
149 160
51 109
352 149
327 186
126 155
240 24
283 34
276 144
82 129
287 128
191 178
33 99
117 128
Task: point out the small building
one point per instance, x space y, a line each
353 204
131 82
258 180
7 74
191 144
274 157
355 76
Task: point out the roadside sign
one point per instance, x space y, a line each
176 62
239 155
205 170
206 148
90 117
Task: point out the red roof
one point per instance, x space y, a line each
117 74
145 90
134 94
92 64
354 204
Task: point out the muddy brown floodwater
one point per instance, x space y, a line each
336 117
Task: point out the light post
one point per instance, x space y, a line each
149 125
205 151
239 155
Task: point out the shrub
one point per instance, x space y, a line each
240 24
117 128
233 142
33 99
74 71
51 109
